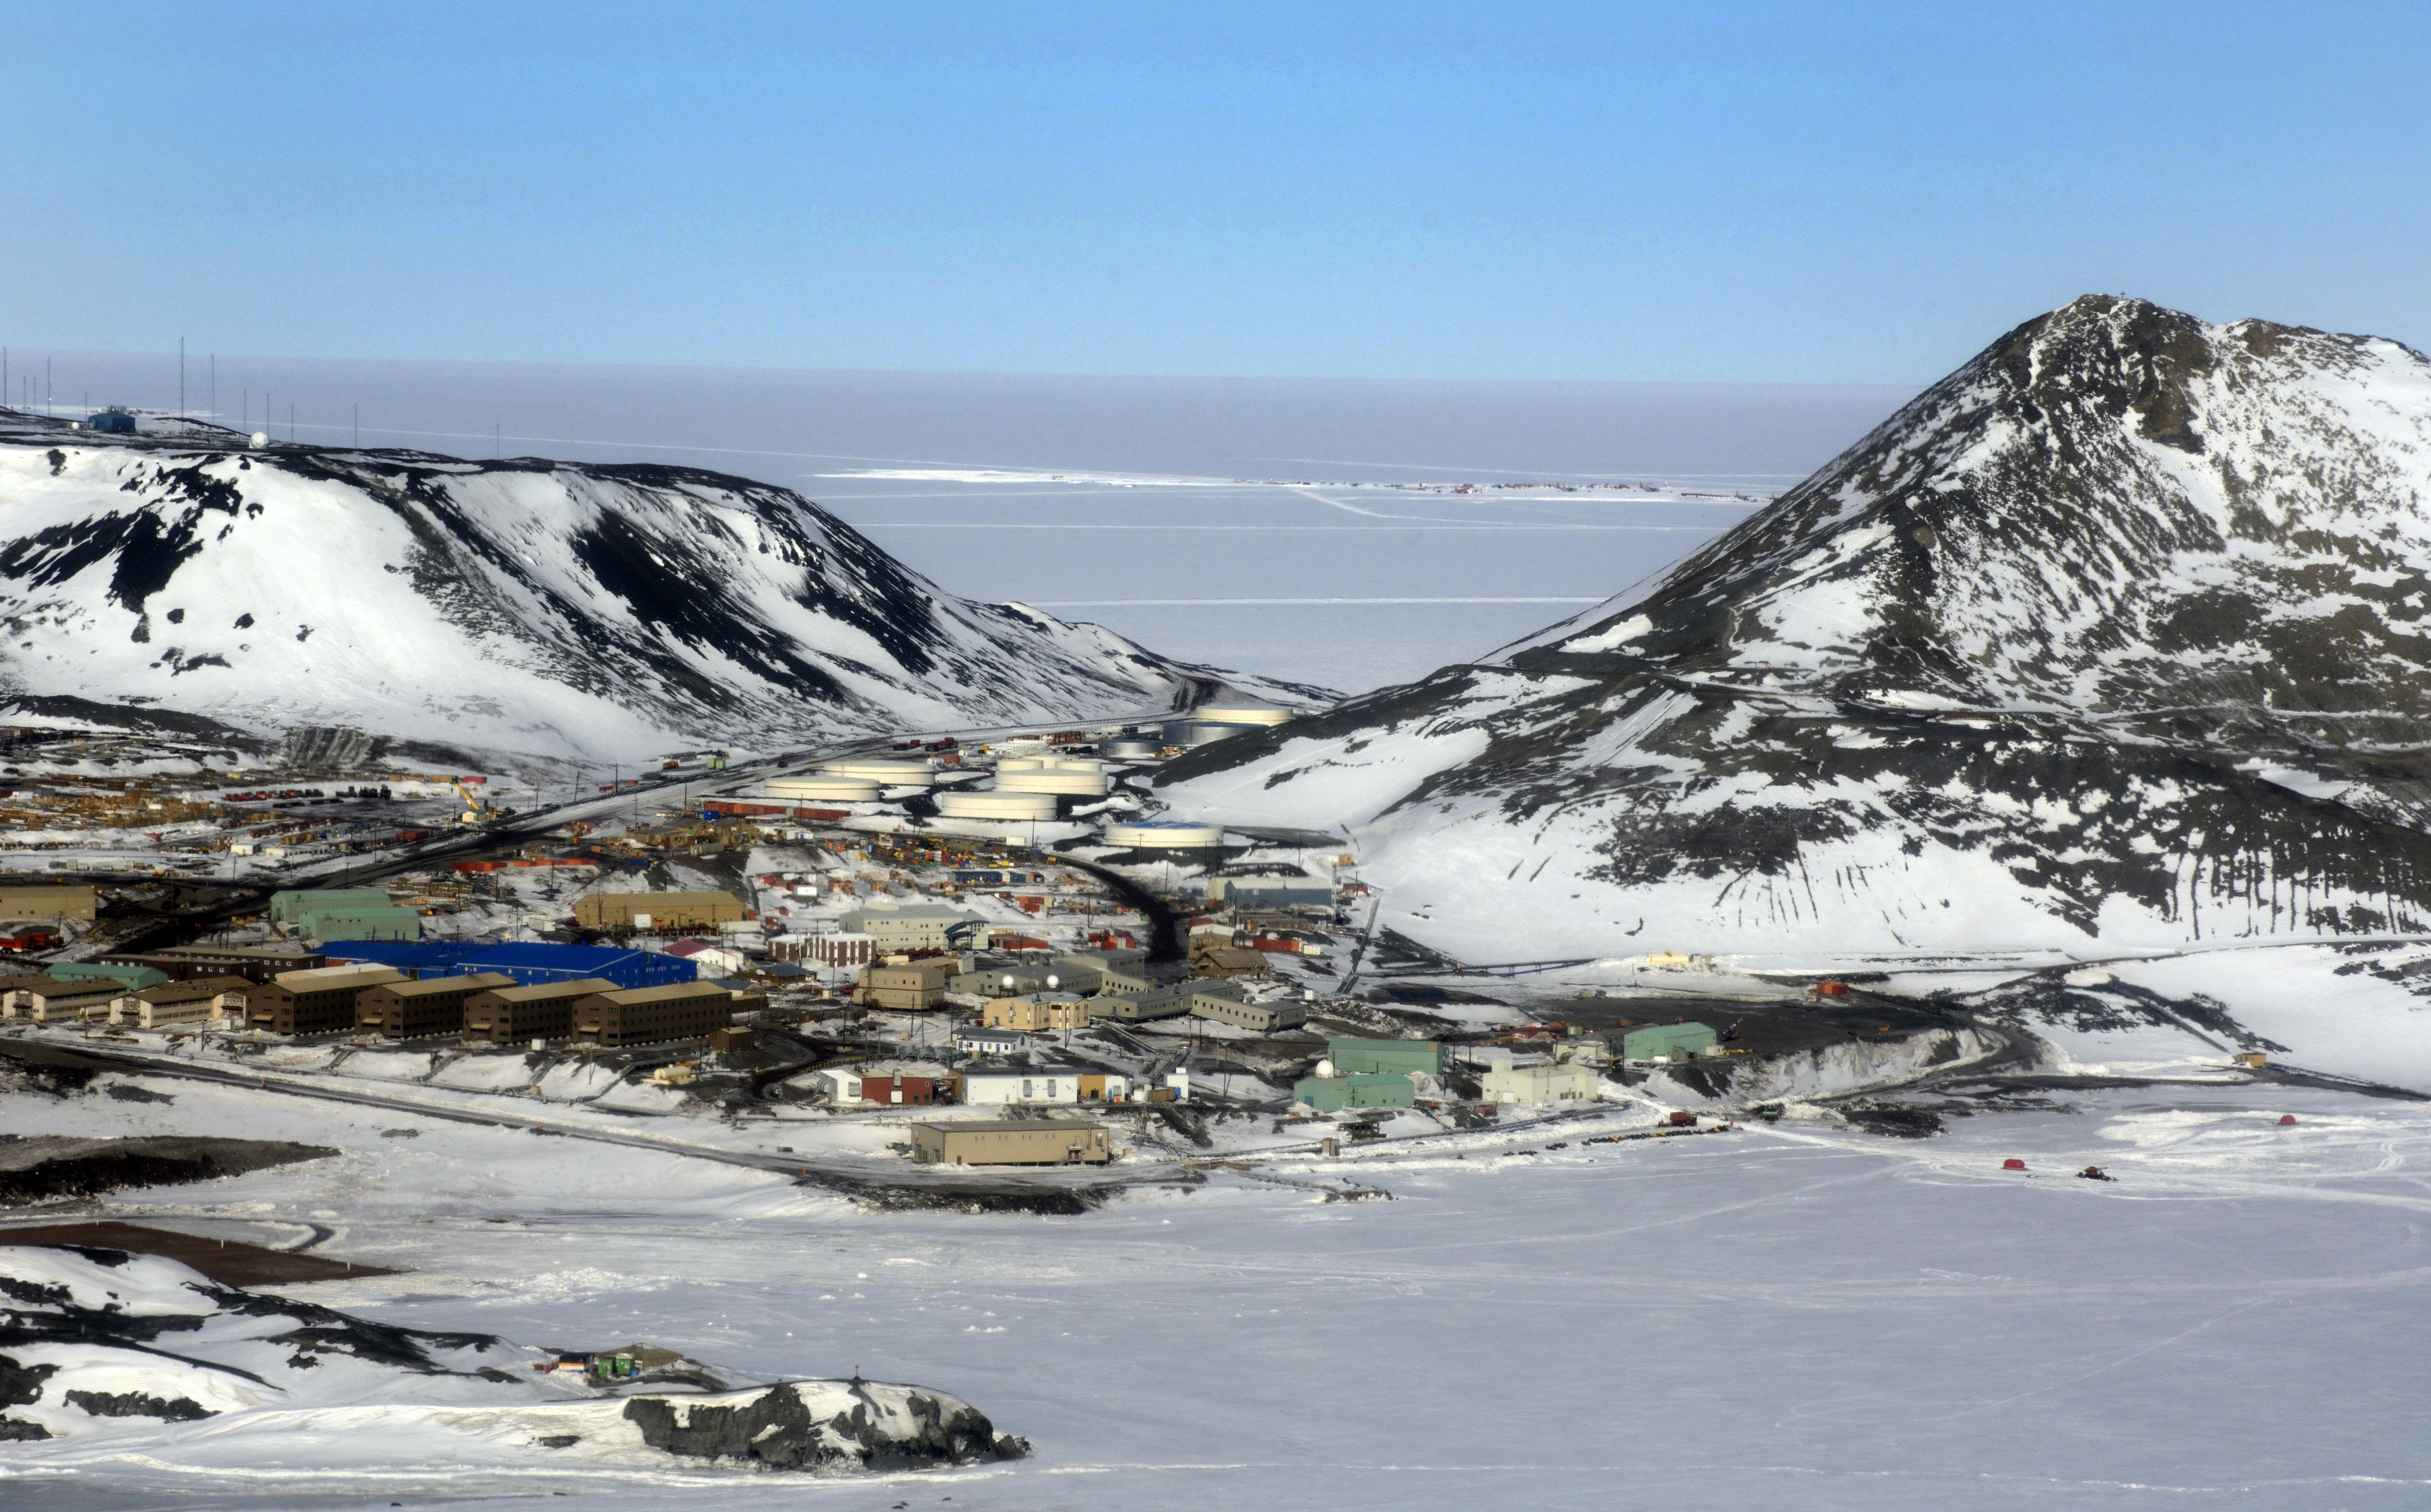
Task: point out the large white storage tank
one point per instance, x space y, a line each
823 789
884 773
1164 834
1190 733
1242 714
996 805
1073 775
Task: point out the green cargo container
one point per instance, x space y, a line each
290 906
361 924
1360 1057
136 978
1677 1042
1332 1094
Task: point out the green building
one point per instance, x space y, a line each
1673 1042
136 978
1332 1094
289 906
360 924
1398 1057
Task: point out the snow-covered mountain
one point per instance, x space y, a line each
2118 636
516 606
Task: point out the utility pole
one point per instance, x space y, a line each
215 388
181 377
359 424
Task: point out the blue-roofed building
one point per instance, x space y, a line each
415 958
533 964
113 420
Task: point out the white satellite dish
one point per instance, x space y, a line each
257 440
1052 983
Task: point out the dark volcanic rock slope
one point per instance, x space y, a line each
516 605
2118 634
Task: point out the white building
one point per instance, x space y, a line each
1000 1087
1546 1082
918 928
840 1085
972 1041
710 960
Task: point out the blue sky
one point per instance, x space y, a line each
1507 191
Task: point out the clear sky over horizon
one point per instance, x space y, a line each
1574 192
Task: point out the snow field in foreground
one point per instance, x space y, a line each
1795 1317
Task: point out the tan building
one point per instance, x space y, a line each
510 1015
909 987
14 984
415 1009
646 1016
1011 1142
51 1000
1140 1007
1222 1003
180 1003
920 927
314 1002
1228 961
657 911
46 902
1036 1010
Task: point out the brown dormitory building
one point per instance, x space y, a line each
52 999
314 1002
645 1016
416 1009
180 1003
255 964
506 1015
17 982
